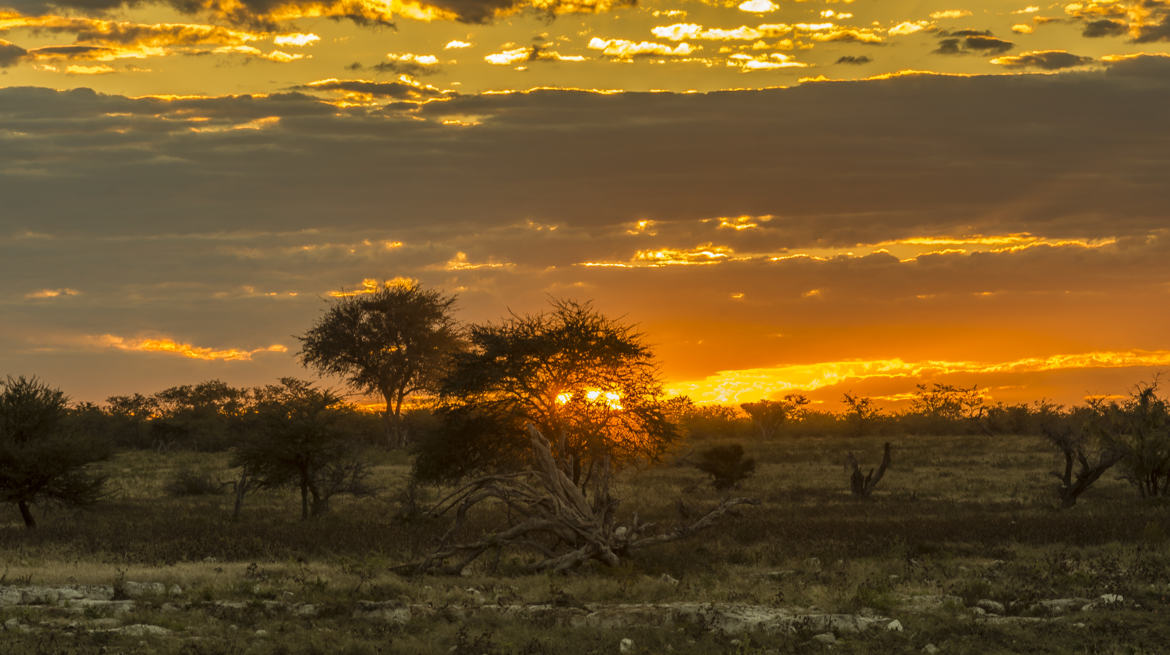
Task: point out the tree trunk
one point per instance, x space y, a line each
26 514
241 491
304 501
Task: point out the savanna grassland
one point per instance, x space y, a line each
961 549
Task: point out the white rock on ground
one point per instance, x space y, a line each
990 606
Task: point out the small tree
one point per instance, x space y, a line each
41 458
1139 430
297 440
1079 438
770 415
860 413
945 407
726 465
393 341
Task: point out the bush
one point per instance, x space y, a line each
726 465
193 482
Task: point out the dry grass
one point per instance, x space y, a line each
973 517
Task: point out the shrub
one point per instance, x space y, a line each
193 482
726 465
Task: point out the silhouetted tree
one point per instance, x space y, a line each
567 397
205 416
860 413
393 341
41 458
1139 429
585 381
942 408
296 439
770 415
1079 438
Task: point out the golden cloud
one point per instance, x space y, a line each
51 293
170 346
623 49
744 385
370 285
460 263
109 40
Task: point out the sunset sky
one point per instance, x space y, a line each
823 196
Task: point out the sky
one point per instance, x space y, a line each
818 197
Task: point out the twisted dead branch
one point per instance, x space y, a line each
863 484
552 517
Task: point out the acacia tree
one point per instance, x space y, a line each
298 439
393 341
770 415
1078 435
41 459
564 399
586 382
860 413
1139 429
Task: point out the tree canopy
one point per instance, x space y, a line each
392 341
587 382
298 438
41 458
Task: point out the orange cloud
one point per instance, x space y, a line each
167 345
744 385
51 293
371 285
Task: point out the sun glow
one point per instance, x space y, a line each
743 385
610 399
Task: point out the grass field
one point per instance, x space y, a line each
961 544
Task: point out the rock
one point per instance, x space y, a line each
1104 600
139 589
923 602
1058 606
306 610
990 606
143 630
626 645
669 579
39 596
69 593
931 649
826 638
894 626
12 624
10 596
175 590
261 633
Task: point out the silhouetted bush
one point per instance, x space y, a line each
726 465
193 482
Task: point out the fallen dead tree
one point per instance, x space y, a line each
551 517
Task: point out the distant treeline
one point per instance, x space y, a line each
212 416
